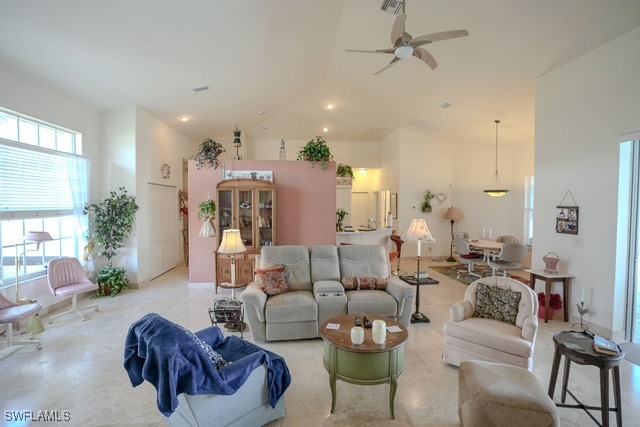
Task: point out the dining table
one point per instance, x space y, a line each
488 247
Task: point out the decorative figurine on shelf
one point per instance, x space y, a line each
237 143
551 263
283 153
207 213
582 310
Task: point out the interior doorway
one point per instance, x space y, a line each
359 209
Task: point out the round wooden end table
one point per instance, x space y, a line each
366 363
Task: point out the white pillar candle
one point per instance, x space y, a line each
483 233
491 232
582 296
419 246
379 331
357 335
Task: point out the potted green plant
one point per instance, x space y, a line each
426 203
346 173
340 214
208 153
112 221
316 150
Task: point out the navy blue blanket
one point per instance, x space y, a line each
161 352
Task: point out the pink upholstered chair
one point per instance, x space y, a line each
11 312
66 277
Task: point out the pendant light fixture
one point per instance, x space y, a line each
496 186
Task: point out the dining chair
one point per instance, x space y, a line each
507 238
11 312
65 277
509 258
465 255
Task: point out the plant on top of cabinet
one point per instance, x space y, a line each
316 150
344 171
112 221
208 153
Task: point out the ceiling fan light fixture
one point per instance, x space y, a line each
496 189
403 52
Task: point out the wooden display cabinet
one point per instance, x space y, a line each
248 205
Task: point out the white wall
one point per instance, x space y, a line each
581 110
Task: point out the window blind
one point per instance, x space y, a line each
33 182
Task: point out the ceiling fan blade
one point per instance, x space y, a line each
436 37
393 61
397 31
390 50
426 57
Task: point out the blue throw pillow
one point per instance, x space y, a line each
218 361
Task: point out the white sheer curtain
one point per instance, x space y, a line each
78 174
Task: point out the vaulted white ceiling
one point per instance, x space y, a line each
287 59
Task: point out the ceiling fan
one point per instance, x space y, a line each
404 45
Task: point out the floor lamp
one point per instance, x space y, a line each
453 214
418 232
36 237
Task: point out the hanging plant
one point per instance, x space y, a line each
426 203
207 213
208 154
316 150
345 171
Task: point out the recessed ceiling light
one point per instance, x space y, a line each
445 105
184 118
329 106
362 171
265 127
325 129
200 88
262 113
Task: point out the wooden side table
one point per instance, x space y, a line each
548 279
577 347
366 363
417 316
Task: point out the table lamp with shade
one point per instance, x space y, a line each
36 237
232 245
418 232
453 214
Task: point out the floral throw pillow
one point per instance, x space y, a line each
496 303
363 283
217 360
272 280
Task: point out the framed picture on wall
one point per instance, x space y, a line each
567 219
263 175
393 205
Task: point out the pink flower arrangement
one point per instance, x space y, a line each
555 302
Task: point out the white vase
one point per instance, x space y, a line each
357 335
379 331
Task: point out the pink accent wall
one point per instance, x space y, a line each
305 207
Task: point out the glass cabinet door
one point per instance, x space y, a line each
245 210
265 217
225 212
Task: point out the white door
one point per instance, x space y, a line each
163 216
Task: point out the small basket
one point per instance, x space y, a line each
551 263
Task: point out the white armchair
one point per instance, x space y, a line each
479 338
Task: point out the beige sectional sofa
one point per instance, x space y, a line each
317 294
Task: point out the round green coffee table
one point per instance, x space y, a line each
367 363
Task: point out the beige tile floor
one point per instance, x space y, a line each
79 368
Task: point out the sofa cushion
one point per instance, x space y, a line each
324 263
363 283
375 302
490 334
364 261
296 262
294 306
272 280
496 303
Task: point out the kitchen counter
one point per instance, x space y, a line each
373 237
